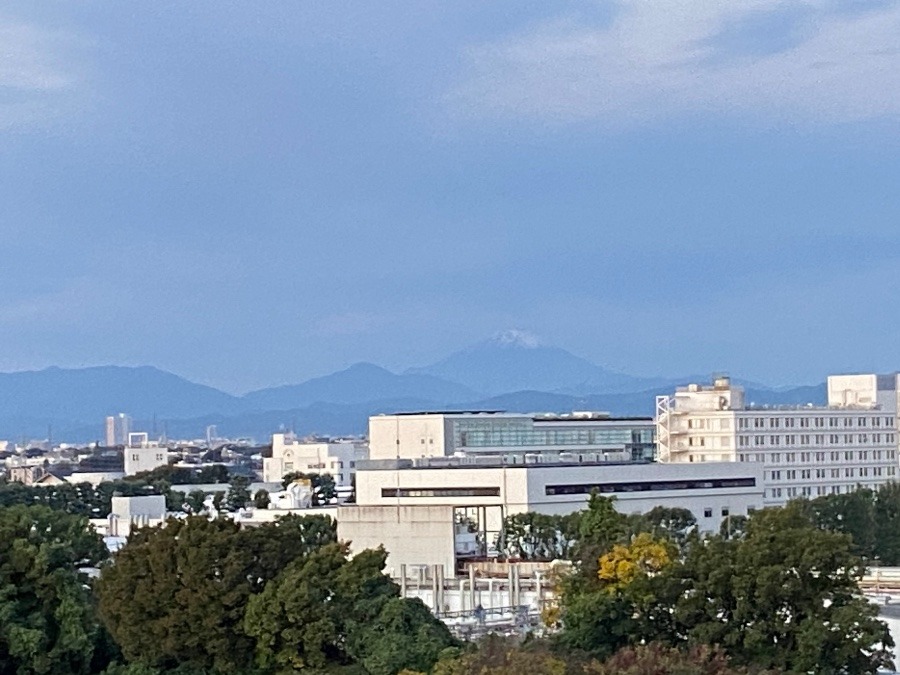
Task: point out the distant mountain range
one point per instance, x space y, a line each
510 372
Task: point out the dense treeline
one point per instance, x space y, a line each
84 499
870 517
773 593
202 596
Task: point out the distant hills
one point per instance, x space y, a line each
515 361
509 372
357 384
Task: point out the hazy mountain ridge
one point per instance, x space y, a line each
509 372
511 362
359 383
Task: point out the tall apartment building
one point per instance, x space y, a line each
117 429
335 457
806 451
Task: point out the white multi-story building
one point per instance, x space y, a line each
336 457
806 451
141 454
414 508
490 433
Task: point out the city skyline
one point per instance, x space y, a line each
247 196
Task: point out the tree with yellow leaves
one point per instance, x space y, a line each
644 556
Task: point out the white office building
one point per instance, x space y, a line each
336 457
415 507
805 451
576 436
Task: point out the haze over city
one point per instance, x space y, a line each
249 195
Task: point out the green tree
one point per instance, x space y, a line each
599 528
238 493
196 501
538 536
404 635
274 545
217 473
47 618
674 523
261 499
327 610
176 595
785 597
887 524
852 513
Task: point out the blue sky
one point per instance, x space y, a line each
256 193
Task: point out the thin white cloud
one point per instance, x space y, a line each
38 73
812 61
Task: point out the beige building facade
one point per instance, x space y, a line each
805 451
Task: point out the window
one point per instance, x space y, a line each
647 486
442 492
707 513
724 511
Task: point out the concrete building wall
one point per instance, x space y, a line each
128 513
710 491
409 436
412 535
145 458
